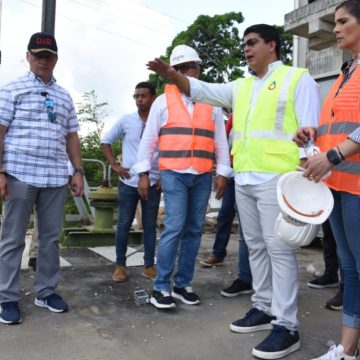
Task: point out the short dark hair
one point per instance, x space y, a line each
267 33
352 7
146 85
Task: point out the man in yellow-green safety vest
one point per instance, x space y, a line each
268 107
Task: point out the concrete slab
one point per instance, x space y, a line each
134 256
105 323
25 256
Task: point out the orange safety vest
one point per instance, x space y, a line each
340 116
186 141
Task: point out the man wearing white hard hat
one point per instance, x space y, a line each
268 107
189 137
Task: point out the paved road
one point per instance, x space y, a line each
105 323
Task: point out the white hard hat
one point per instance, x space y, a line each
289 235
183 54
302 200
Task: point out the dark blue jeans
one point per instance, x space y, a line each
223 230
224 221
345 223
128 199
332 263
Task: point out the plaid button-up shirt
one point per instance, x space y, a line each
34 147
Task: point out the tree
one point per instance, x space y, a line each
287 45
216 39
91 114
218 42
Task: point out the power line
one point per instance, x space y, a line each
148 7
118 17
94 27
139 16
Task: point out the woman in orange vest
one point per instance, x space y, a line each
338 137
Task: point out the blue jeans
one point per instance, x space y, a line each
345 223
128 198
223 230
186 197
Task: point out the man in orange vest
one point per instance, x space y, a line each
189 137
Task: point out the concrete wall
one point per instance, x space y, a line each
312 23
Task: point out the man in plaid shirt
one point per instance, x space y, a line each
38 134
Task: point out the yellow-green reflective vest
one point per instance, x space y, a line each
263 135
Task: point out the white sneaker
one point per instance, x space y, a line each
337 353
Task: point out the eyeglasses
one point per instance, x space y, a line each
52 114
186 67
250 43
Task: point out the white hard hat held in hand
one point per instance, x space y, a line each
304 206
302 200
289 235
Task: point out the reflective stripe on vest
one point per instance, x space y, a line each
340 115
263 135
186 141
187 131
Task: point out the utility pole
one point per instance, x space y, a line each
48 16
0 28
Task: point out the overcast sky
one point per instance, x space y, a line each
105 44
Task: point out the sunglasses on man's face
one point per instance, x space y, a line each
250 43
44 55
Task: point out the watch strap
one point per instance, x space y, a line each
79 170
334 157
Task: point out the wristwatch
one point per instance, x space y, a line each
143 173
334 157
79 170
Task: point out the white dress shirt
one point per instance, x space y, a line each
129 129
158 118
307 107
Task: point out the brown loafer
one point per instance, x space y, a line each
211 261
150 272
119 274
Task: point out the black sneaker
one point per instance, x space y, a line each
254 320
162 300
237 288
10 313
324 281
279 343
336 302
186 295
